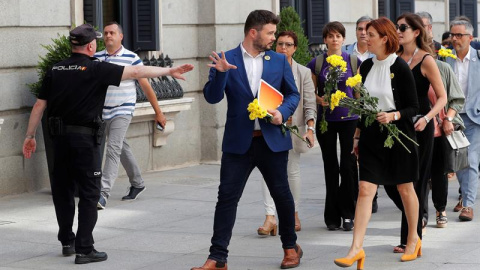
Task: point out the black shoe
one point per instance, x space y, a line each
133 193
347 224
333 227
93 256
374 206
102 202
68 250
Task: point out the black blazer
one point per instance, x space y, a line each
404 93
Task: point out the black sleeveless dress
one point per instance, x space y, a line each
424 138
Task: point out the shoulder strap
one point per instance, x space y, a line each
354 63
318 64
423 58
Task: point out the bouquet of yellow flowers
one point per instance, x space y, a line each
444 53
338 66
367 106
256 111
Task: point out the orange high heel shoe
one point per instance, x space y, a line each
359 258
267 231
415 254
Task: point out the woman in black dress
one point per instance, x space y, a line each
415 50
388 78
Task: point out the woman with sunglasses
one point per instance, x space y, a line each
415 50
304 118
340 197
388 78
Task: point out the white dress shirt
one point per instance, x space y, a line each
254 69
461 70
362 56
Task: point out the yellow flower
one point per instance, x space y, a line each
335 99
337 61
392 76
446 53
255 110
354 81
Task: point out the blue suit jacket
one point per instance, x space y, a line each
234 85
472 100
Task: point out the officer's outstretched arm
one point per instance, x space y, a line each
30 145
136 72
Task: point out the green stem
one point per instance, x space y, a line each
294 132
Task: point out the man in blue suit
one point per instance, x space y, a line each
248 144
467 69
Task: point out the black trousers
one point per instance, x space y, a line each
425 149
77 163
439 176
340 197
234 173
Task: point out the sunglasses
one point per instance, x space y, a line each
286 44
458 35
402 27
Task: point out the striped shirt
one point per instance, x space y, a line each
120 100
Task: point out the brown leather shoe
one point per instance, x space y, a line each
466 214
292 256
212 265
459 206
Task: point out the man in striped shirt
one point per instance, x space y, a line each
118 112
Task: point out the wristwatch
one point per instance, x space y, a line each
449 119
312 129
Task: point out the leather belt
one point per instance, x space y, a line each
80 130
257 133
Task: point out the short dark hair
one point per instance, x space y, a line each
386 28
289 34
258 18
333 27
445 35
120 28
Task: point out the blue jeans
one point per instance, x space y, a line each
468 177
234 173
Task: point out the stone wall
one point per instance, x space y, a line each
24 25
190 30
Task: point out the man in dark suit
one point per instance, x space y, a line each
248 144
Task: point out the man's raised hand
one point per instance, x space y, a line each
220 63
177 72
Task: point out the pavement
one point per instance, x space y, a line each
170 225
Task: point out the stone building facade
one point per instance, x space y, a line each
188 29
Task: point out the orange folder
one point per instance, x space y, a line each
268 97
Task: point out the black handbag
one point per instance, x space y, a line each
456 151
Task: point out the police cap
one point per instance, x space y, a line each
83 34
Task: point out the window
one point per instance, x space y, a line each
394 8
313 14
139 19
467 8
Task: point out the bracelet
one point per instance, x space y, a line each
426 119
356 138
30 137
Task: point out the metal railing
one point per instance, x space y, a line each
163 87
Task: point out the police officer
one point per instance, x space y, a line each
75 92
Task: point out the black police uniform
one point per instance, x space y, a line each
75 92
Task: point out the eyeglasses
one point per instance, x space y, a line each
458 35
402 27
286 44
